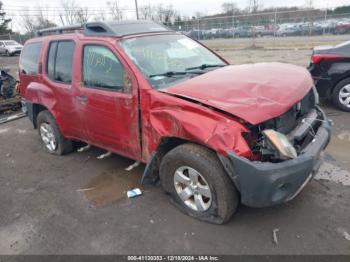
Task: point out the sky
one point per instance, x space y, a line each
185 7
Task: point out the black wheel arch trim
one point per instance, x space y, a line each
33 110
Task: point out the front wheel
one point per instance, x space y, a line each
51 137
341 95
198 183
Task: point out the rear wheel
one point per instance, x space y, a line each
199 185
51 137
341 95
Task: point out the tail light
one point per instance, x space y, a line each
317 58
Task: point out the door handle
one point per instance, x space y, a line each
81 99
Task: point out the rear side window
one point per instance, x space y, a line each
30 58
60 60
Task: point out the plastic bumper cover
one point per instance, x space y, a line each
264 184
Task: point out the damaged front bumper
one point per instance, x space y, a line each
264 184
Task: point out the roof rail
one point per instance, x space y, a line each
59 29
112 28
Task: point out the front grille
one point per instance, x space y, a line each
289 120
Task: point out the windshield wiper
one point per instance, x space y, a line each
175 73
204 66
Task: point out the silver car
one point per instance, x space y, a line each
10 47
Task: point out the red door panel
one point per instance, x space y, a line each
111 120
110 117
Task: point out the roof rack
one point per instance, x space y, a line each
59 29
114 28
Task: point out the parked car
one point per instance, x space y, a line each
269 30
327 26
212 33
289 31
214 134
10 47
330 68
310 29
196 34
258 31
342 27
242 31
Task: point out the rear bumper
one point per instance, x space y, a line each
264 184
324 84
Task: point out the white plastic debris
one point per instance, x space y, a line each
85 189
346 235
84 148
134 192
107 154
10 118
131 167
274 234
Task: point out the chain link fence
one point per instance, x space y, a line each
16 37
274 24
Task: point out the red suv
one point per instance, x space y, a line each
214 134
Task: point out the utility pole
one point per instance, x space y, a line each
275 23
325 19
137 10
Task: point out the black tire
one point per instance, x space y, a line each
63 145
7 53
225 197
335 95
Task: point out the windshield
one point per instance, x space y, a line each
167 59
9 43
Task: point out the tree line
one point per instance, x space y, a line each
70 12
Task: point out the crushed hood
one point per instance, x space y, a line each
253 92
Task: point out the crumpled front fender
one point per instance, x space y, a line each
170 116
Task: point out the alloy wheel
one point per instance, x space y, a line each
192 188
344 95
48 136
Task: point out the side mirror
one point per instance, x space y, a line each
127 83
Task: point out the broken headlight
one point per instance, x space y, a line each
280 143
